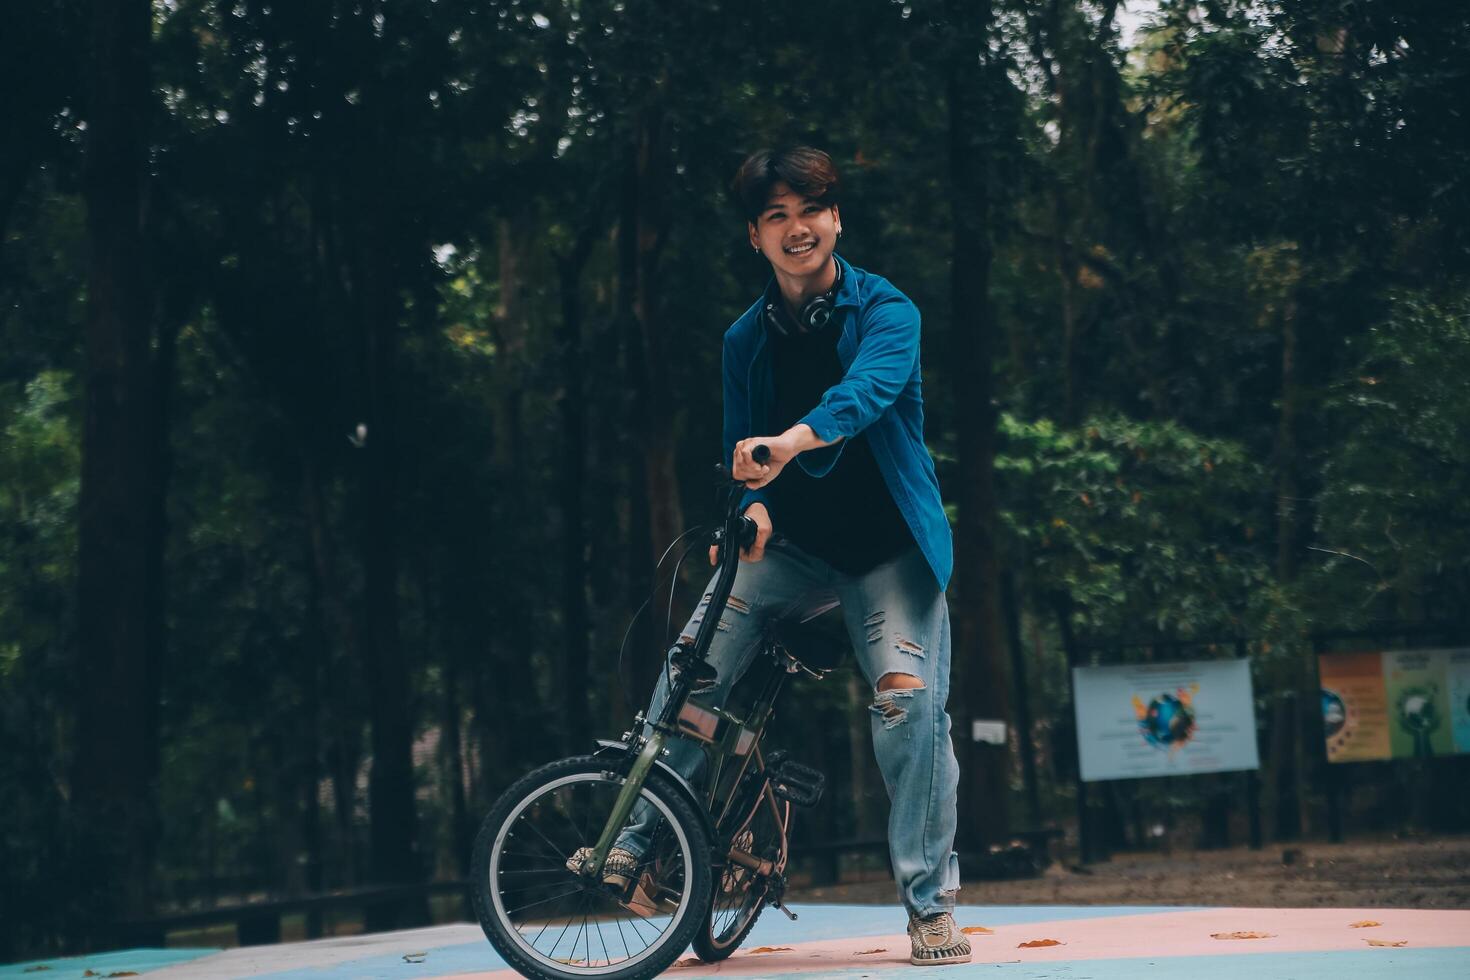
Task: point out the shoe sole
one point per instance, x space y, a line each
941 960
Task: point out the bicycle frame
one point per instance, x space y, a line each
739 738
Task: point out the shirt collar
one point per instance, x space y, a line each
847 294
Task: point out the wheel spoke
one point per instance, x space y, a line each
522 908
554 848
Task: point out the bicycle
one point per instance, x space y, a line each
717 854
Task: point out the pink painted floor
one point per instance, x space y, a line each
851 942
1158 935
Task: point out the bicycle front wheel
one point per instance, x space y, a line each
550 922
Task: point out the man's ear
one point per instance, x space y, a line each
837 218
754 241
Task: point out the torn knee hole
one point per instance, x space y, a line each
898 681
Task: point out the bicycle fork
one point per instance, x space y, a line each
653 747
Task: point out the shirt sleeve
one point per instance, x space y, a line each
885 361
737 416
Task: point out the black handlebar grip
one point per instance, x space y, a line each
748 531
761 454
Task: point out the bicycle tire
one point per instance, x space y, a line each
716 941
685 831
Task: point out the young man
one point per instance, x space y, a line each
824 370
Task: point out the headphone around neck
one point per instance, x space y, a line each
813 316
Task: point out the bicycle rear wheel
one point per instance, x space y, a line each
552 923
756 856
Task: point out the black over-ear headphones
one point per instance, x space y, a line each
813 316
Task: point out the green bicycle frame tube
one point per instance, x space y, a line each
623 805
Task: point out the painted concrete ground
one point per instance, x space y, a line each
855 942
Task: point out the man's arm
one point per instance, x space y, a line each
784 448
878 374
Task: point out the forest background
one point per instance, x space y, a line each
361 359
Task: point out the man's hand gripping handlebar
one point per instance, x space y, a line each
754 528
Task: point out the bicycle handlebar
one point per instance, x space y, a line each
761 454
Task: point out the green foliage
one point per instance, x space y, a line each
1395 499
40 464
1145 528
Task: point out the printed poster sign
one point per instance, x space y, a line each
1173 719
1398 704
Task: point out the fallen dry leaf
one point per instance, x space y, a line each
1364 924
123 973
1387 942
769 949
42 966
414 957
870 952
688 961
1242 935
977 931
1039 942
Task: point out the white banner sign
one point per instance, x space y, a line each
1140 720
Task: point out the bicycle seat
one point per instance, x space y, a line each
814 647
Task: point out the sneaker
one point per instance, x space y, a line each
615 871
937 941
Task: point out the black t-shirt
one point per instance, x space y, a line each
847 518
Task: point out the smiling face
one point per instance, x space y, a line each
796 234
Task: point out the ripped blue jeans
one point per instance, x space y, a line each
898 622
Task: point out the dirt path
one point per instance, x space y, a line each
1425 874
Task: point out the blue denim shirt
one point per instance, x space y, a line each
879 394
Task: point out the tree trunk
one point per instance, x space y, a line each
461 834
510 328
392 820
653 171
636 520
866 822
120 535
979 641
572 405
1288 487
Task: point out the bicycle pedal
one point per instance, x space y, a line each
796 783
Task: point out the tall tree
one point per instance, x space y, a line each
120 534
976 88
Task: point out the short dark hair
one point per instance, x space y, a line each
805 169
